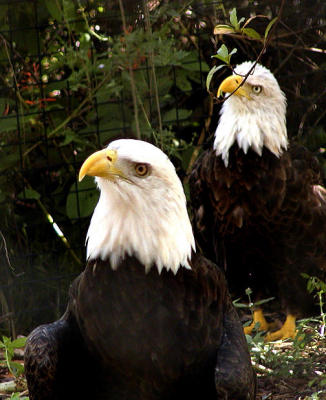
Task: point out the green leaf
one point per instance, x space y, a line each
54 9
233 51
241 305
16 396
224 55
272 22
19 342
210 76
223 30
234 19
259 302
251 33
211 73
16 368
29 194
82 199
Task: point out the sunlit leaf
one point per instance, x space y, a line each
223 30
234 19
233 51
224 55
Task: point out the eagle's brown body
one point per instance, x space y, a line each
130 335
264 217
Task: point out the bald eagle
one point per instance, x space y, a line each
257 201
149 318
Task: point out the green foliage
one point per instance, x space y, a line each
236 27
234 19
301 359
90 84
82 199
77 83
251 305
9 347
17 396
224 55
318 286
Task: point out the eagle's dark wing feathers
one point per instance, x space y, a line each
270 215
149 336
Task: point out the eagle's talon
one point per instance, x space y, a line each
287 331
258 318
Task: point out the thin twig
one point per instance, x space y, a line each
310 108
19 96
260 368
266 43
152 65
61 235
74 113
288 56
6 251
55 226
131 74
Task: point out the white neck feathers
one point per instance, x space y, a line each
154 228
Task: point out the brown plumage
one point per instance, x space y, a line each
262 215
131 334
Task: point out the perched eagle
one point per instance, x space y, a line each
149 318
257 201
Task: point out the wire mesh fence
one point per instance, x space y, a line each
77 74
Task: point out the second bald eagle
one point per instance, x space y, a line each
258 204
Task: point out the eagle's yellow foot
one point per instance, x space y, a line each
287 331
257 317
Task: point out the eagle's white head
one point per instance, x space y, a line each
142 207
254 116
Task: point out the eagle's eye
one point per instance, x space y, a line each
141 169
257 89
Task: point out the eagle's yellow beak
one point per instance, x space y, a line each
102 164
232 83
